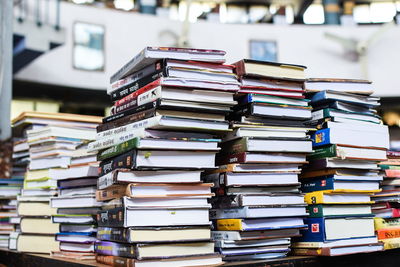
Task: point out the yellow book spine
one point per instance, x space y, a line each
391 243
381 223
229 225
314 197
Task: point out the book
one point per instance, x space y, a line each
386 223
277 111
257 68
37 243
331 228
258 224
353 86
150 55
254 235
322 210
154 234
321 114
327 197
339 251
336 243
252 179
391 243
258 212
347 152
350 137
388 233
35 208
333 95
320 164
152 251
336 184
260 98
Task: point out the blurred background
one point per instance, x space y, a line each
64 52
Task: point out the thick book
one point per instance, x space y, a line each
29 243
391 243
327 197
275 111
327 96
254 235
337 163
259 224
154 234
338 251
336 184
262 69
386 223
254 157
248 144
335 243
258 212
145 159
150 55
327 113
351 137
329 229
153 251
347 152
322 210
354 86
388 233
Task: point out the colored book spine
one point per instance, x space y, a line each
111 218
315 211
391 243
323 152
321 137
318 185
315 231
388 233
124 161
115 249
111 193
142 112
118 149
381 223
229 225
113 234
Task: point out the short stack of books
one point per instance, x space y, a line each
387 207
169 110
77 206
53 140
343 173
258 207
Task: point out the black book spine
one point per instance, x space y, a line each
128 112
124 161
111 218
126 90
116 249
114 234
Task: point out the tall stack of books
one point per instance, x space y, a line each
169 109
258 207
387 207
342 173
10 187
77 206
53 140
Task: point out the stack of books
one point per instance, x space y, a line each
258 207
387 207
77 206
53 140
10 187
162 133
342 173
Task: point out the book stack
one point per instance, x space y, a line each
342 173
53 140
386 207
162 133
10 187
258 207
77 206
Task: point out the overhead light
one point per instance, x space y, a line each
124 4
83 1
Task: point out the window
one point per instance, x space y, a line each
88 47
314 14
263 50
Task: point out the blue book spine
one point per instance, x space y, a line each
321 138
319 184
320 96
248 98
315 231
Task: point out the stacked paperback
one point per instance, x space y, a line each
258 206
53 145
169 109
342 173
387 207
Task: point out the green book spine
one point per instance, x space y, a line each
118 149
315 211
389 167
323 152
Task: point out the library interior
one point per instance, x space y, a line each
177 133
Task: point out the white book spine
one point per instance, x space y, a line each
114 140
225 235
317 115
105 181
144 98
228 213
130 127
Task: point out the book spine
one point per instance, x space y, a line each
127 115
321 137
307 244
314 198
104 259
111 218
315 231
115 140
381 223
118 149
114 234
391 243
225 235
317 185
124 161
115 249
235 147
318 115
323 152
136 76
107 180
223 159
137 116
315 211
228 213
307 252
123 71
137 99
388 233
229 225
392 173
130 127
110 193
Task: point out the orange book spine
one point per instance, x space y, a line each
388 233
